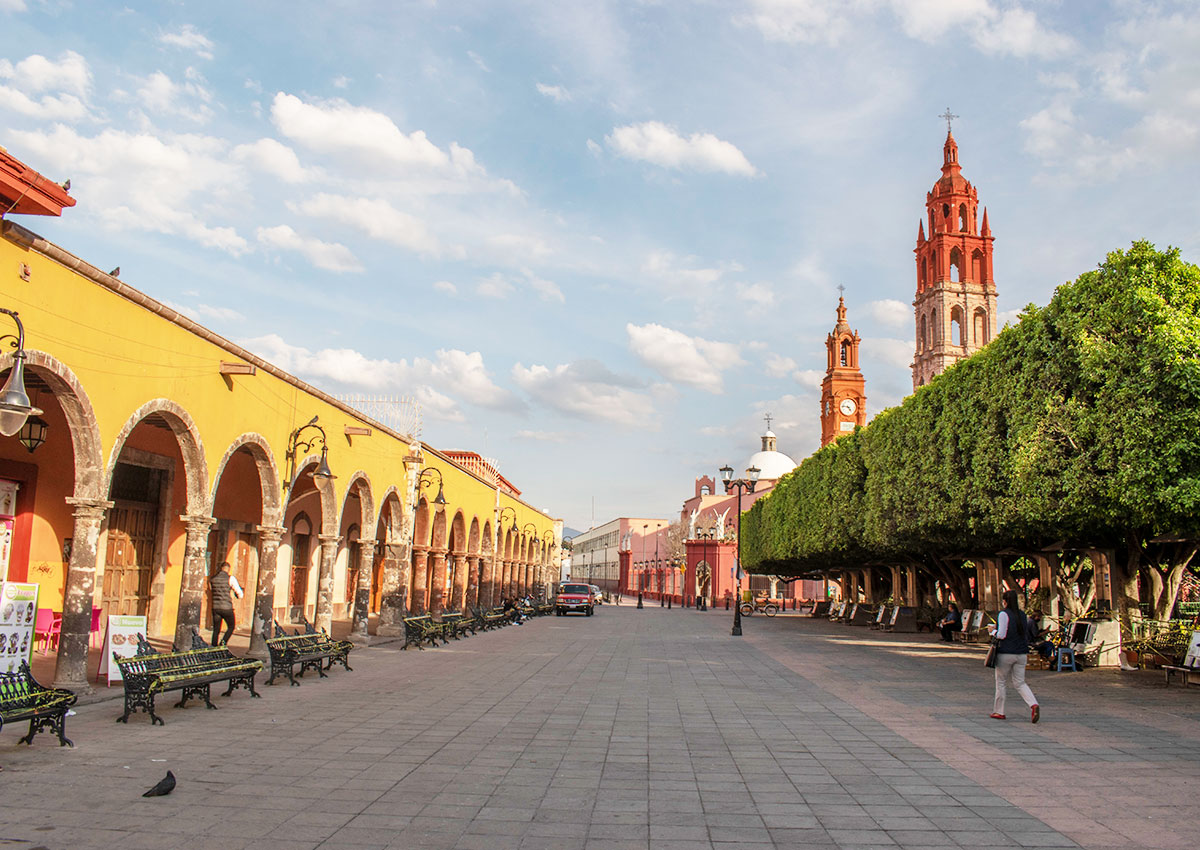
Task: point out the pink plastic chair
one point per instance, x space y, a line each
95 626
46 628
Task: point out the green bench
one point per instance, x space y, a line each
23 698
311 650
193 672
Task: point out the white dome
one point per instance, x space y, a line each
774 465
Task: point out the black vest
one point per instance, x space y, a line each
1016 639
221 597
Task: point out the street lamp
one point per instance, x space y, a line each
422 481
297 445
14 403
742 484
499 553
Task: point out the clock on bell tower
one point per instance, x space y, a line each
843 392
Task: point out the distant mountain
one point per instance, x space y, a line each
570 533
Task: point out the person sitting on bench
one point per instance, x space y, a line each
950 623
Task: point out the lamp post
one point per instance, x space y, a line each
499 553
523 584
14 403
742 484
642 571
548 538
296 445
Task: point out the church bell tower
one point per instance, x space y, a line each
843 391
955 306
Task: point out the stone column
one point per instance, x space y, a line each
868 587
264 593
487 582
393 604
897 587
417 604
473 562
458 583
70 670
362 592
911 591
437 593
191 587
323 616
1045 567
502 567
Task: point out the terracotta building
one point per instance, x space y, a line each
843 391
955 306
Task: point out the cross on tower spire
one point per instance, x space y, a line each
949 116
768 418
841 290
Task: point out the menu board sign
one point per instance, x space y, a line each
18 608
120 637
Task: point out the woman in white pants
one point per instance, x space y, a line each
1012 651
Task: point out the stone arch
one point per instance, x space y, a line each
956 265
487 540
977 270
421 523
473 537
963 221
438 539
268 475
361 483
923 339
81 419
191 447
329 509
458 533
980 327
390 517
958 334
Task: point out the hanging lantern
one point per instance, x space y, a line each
33 433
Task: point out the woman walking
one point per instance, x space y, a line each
1012 651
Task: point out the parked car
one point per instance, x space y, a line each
597 594
573 597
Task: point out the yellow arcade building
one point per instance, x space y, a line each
155 450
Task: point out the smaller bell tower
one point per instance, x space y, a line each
843 392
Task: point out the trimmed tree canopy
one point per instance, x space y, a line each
1079 424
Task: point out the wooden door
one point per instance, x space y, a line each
243 563
376 580
129 559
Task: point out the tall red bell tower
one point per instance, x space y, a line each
955 307
843 392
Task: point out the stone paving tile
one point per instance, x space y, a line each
648 729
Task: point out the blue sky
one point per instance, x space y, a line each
596 240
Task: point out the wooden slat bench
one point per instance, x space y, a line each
193 672
312 651
22 697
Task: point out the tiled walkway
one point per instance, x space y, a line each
631 729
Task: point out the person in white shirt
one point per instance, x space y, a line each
1012 651
223 589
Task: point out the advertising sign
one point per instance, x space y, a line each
18 608
120 637
6 534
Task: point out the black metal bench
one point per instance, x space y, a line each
22 697
193 672
491 618
312 650
456 624
421 630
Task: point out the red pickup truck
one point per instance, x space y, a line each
573 597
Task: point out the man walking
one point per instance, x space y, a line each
223 588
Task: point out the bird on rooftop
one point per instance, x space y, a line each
115 272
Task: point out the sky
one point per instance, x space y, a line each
595 241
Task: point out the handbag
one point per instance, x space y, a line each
990 661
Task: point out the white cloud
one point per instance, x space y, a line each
756 296
274 158
1011 30
207 311
494 285
455 371
543 436
331 256
515 248
366 137
190 99
139 181
587 390
446 287
811 378
375 217
63 85
12 5
1008 317
778 366
478 60
340 82
678 357
683 277
659 144
188 39
69 73
547 289
897 352
557 93
890 312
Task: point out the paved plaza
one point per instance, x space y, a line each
631 729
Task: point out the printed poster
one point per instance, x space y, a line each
18 612
120 637
6 535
